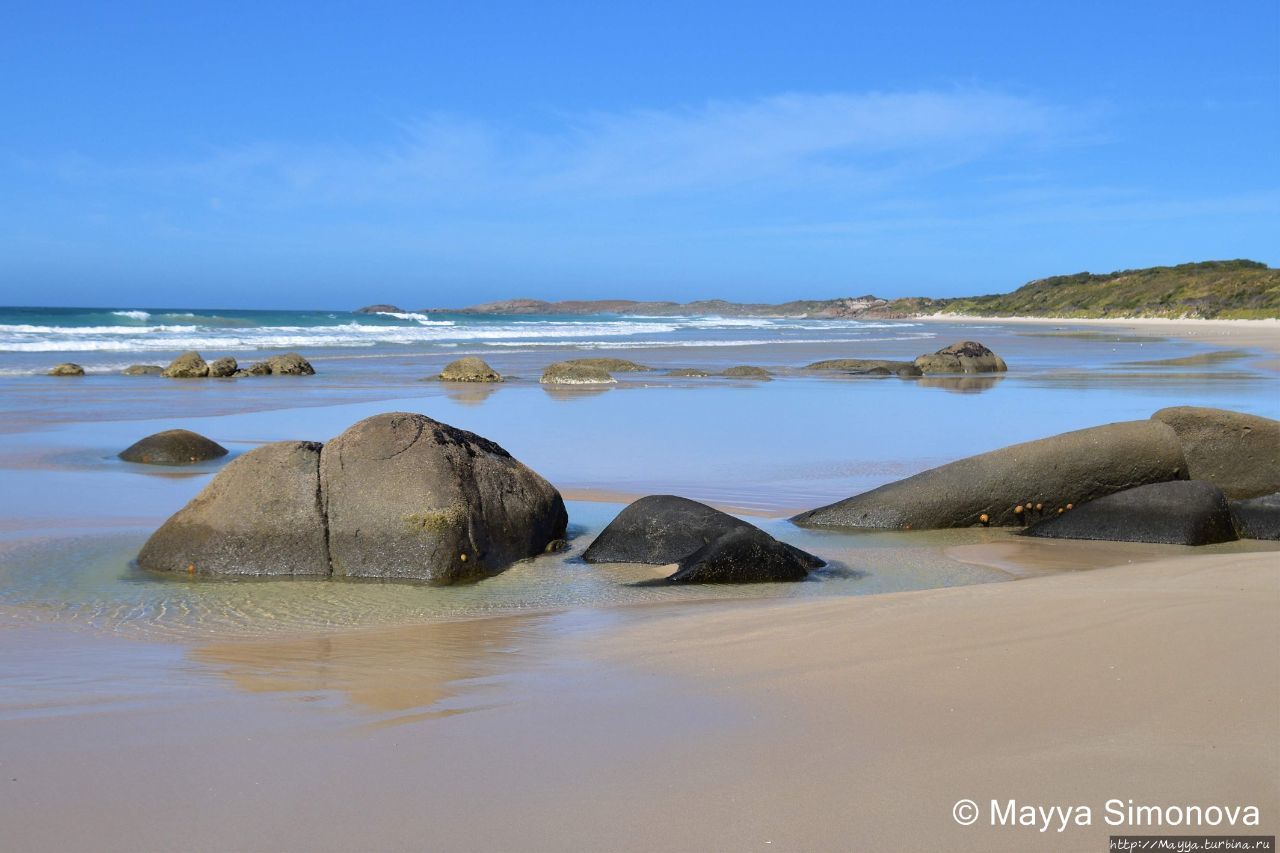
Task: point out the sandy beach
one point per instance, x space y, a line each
850 723
558 705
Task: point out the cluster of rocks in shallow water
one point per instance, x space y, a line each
190 365
402 496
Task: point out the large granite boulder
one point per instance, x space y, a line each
663 529
262 515
571 373
143 370
173 447
1238 453
469 369
1183 512
1257 518
67 368
1006 485
747 371
222 367
409 497
189 365
744 555
963 357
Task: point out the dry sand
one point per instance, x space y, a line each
1258 334
836 724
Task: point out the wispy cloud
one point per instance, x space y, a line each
833 143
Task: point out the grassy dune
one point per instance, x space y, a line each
1211 290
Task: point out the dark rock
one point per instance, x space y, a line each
1238 453
744 555
143 370
964 357
1073 467
1186 512
908 371
173 447
222 367
469 369
261 515
875 371
67 368
1257 518
747 371
189 365
258 368
571 373
662 529
380 309
409 497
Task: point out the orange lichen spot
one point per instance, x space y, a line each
1071 506
1017 510
462 557
1039 507
1060 510
984 518
191 568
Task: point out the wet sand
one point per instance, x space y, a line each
849 723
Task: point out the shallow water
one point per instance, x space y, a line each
72 516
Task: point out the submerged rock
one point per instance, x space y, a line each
963 357
1237 452
469 369
143 370
747 371
67 368
1185 512
1257 518
611 365
862 365
570 373
222 367
662 529
410 497
173 447
1006 485
744 555
395 496
262 515
690 372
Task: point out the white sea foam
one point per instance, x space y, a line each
133 315
423 319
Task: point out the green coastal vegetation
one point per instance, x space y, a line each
1236 290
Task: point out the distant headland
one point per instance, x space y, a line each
1237 289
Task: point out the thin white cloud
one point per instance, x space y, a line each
834 143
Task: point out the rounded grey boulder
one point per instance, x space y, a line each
469 369
962 357
143 370
1257 518
611 365
290 364
1187 512
862 365
409 497
189 365
1006 485
1238 453
744 555
173 447
261 515
662 529
67 368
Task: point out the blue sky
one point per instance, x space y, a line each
328 155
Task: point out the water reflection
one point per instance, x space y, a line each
962 384
469 393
